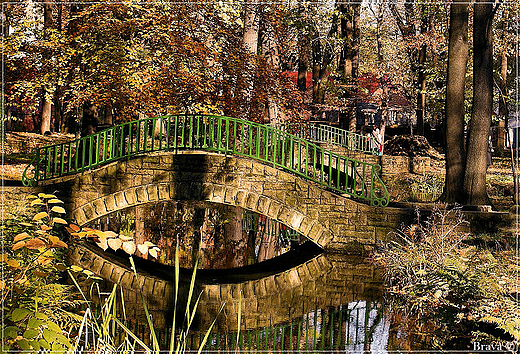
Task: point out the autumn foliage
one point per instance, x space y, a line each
139 58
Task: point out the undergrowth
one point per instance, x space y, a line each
451 291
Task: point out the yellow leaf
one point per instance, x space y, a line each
4 257
75 268
126 238
148 244
143 249
45 260
45 227
153 252
20 279
13 263
103 244
36 202
79 234
26 224
58 209
109 234
53 239
74 227
61 267
40 216
31 197
34 244
46 196
129 247
59 221
21 236
18 245
59 244
88 272
54 201
114 243
2 285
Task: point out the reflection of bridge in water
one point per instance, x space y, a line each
329 301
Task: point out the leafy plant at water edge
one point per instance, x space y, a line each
446 287
38 309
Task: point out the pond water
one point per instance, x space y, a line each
292 297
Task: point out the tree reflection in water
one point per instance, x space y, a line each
221 236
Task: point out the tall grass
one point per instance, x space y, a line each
98 333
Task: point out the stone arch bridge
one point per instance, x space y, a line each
331 199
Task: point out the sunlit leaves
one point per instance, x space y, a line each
40 216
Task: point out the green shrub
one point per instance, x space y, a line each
445 287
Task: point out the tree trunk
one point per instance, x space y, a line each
421 87
250 45
316 66
454 120
349 31
476 161
502 104
45 125
271 53
303 62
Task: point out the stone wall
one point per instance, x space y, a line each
330 220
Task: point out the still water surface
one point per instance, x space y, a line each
292 296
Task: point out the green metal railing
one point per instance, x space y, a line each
321 133
212 133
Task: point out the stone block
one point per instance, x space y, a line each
218 194
263 205
315 232
79 216
120 200
274 209
153 193
230 195
195 190
130 196
258 169
126 280
117 274
252 200
99 207
260 289
110 203
96 265
89 212
163 191
206 190
106 270
136 163
142 197
292 278
248 290
270 285
241 198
